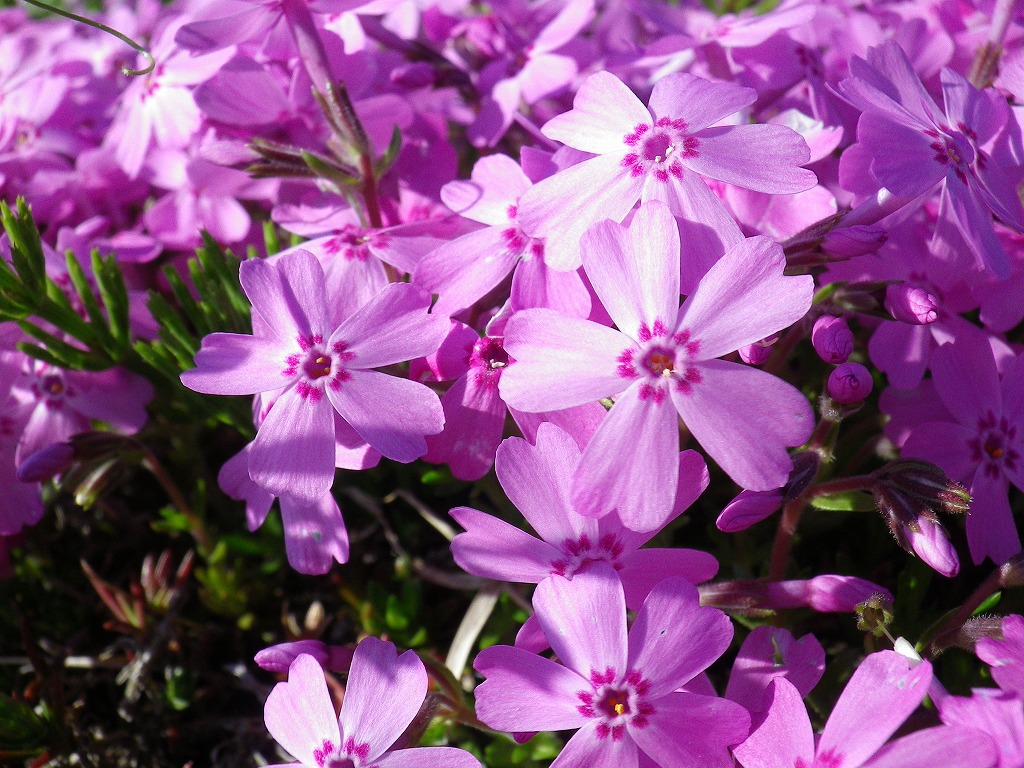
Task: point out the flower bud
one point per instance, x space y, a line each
849 383
830 593
415 75
46 463
805 469
911 304
758 352
857 240
277 658
926 483
748 508
832 339
929 541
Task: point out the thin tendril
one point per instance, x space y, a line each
103 28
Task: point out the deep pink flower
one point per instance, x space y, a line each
621 690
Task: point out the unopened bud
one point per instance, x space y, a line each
46 463
415 75
830 593
857 240
875 614
926 484
758 352
849 383
832 339
929 541
911 304
748 508
277 658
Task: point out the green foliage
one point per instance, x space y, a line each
503 752
397 615
851 501
23 733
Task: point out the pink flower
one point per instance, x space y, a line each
316 370
883 692
982 443
661 364
383 695
914 146
619 688
661 153
536 479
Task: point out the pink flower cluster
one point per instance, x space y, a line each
664 208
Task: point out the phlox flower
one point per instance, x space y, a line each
619 688
914 146
383 695
158 108
315 370
884 690
982 444
661 363
465 269
656 154
536 478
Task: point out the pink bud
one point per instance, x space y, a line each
832 339
911 304
415 75
747 508
849 383
933 546
277 658
758 352
832 593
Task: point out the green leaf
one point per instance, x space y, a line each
851 501
390 154
988 604
114 293
22 732
97 322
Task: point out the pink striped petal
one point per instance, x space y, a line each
784 738
584 620
294 449
299 713
233 364
712 726
763 157
701 103
393 415
603 111
526 692
560 361
493 549
383 695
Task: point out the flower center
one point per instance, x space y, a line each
353 244
658 148
660 359
952 150
616 702
577 553
994 448
317 366
487 360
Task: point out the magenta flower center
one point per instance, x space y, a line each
616 702
661 358
328 755
487 360
994 447
317 365
518 242
658 149
953 150
353 244
577 553
51 388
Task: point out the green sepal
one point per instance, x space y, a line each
851 501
